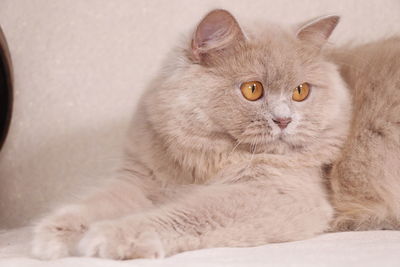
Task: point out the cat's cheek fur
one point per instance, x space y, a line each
340 104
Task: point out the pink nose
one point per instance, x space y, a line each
282 122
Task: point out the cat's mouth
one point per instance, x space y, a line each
283 140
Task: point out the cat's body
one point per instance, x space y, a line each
206 167
366 178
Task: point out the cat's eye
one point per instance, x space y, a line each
301 92
252 90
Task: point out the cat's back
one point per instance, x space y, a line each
366 179
372 72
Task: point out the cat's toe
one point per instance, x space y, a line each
110 240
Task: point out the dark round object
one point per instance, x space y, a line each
6 88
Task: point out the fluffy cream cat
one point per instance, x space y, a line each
366 178
227 148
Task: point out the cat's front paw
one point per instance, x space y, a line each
55 236
121 241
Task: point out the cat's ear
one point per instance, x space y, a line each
218 31
317 31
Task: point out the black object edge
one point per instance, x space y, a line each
6 88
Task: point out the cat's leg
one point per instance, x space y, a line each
282 208
56 235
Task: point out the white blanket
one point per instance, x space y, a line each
364 249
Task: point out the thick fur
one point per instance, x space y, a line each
205 167
366 178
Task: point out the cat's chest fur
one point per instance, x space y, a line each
200 159
193 161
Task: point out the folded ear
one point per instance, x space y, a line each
317 31
217 31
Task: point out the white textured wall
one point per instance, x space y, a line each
81 65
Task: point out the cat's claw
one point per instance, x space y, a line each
111 240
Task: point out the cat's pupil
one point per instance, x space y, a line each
253 88
299 89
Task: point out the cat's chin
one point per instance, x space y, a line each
280 145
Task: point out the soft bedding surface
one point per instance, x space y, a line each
374 248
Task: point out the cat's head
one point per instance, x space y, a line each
267 89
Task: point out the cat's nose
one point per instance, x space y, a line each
282 122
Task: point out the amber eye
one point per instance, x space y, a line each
301 92
252 90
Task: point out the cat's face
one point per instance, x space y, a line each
270 90
277 119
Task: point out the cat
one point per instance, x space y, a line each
365 180
233 144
